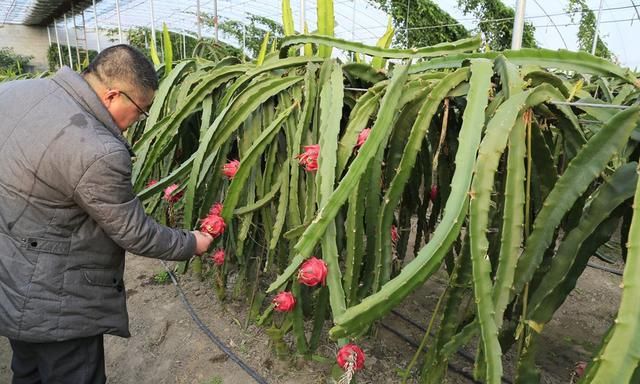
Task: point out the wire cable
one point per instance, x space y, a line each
452 367
635 7
505 19
466 355
259 379
570 24
552 22
9 9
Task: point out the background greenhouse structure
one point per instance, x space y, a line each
76 22
398 191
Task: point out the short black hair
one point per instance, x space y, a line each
124 63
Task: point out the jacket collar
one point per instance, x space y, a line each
77 87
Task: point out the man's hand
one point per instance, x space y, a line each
203 241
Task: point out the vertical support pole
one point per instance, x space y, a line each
55 29
84 34
66 32
49 35
244 40
353 22
596 32
95 19
518 25
75 34
199 19
119 21
162 43
153 26
302 22
215 18
406 24
184 46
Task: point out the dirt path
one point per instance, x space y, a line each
167 346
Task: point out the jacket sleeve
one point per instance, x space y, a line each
106 194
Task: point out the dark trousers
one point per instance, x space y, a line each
77 361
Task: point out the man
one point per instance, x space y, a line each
68 213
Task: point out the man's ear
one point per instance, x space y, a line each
109 96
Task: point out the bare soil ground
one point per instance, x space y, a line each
168 347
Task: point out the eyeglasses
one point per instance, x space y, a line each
143 114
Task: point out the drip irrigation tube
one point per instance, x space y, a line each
452 367
606 269
207 331
462 353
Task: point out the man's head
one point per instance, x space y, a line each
125 81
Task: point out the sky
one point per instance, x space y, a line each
619 25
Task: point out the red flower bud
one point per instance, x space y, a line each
151 183
284 302
216 209
230 169
312 272
213 225
309 158
579 369
169 194
350 357
434 192
218 257
394 235
362 137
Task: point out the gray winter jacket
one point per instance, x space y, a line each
68 213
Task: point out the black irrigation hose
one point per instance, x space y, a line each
606 269
462 353
452 367
255 375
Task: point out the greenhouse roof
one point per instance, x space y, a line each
368 24
355 20
38 12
